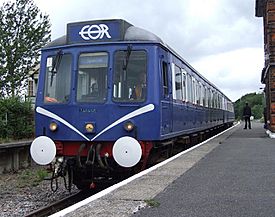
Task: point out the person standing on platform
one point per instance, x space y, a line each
247 115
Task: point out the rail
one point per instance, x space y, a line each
62 204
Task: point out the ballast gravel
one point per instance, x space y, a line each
22 192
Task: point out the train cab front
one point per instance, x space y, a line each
95 114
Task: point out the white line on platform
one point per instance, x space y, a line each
126 181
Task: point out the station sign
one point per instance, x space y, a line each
96 31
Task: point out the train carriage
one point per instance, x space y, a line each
110 94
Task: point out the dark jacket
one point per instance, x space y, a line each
246 111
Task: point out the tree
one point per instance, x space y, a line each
254 100
23 31
16 119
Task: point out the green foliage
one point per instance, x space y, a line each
16 119
23 31
41 175
29 178
152 203
254 100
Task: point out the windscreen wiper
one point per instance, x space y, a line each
127 57
56 64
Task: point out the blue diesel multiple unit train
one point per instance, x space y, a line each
110 95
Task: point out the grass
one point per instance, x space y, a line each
28 177
152 203
5 140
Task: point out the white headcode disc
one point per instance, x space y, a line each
43 150
127 151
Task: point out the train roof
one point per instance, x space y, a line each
113 30
103 31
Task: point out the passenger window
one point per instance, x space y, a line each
178 82
198 92
205 102
201 93
189 88
194 94
209 98
184 85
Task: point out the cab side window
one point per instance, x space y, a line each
165 79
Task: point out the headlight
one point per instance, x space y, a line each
129 126
53 126
89 127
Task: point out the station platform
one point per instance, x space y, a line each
230 175
14 156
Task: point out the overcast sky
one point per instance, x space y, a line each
222 39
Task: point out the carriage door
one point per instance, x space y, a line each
166 97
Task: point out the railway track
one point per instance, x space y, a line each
62 204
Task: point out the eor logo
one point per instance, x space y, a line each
94 32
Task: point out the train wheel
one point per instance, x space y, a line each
82 185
